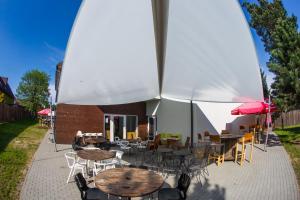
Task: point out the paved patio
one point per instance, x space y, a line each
270 176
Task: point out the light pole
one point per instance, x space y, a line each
268 123
51 125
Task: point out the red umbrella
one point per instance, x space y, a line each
45 111
253 108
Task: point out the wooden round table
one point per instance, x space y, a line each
128 182
96 154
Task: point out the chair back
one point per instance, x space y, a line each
215 138
187 142
183 185
199 137
248 137
70 157
119 154
206 134
81 184
156 141
98 167
117 138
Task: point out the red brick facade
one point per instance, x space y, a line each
71 118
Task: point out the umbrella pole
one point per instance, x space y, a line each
269 115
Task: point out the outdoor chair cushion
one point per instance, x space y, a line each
169 194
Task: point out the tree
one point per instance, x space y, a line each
264 84
279 33
33 91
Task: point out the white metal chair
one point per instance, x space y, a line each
124 146
74 164
98 167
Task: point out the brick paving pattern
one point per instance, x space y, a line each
269 176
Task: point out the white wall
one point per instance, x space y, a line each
215 117
174 117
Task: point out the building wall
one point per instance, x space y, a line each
175 117
71 118
172 116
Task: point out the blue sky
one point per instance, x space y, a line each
34 35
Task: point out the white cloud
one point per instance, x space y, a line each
52 92
270 80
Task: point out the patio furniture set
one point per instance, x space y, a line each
103 165
151 161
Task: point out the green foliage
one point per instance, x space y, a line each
33 90
18 142
281 38
264 83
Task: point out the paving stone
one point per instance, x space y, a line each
269 176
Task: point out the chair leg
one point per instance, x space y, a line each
236 151
243 154
70 174
251 152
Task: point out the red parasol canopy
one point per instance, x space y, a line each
253 108
45 111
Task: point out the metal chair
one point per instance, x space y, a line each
74 164
178 193
86 192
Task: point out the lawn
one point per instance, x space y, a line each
290 137
18 142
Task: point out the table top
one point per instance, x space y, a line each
128 182
164 150
95 154
231 136
183 152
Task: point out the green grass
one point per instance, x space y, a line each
290 137
18 142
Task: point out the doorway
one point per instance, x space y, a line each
121 126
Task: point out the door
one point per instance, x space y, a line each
122 126
119 127
152 127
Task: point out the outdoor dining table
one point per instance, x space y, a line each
230 141
95 154
128 182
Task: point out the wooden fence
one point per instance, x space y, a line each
289 119
12 113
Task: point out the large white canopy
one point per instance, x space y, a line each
111 55
208 53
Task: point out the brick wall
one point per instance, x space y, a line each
71 118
